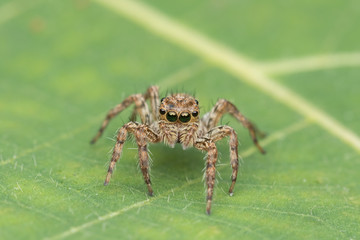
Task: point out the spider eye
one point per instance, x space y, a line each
195 113
171 116
184 117
197 102
162 111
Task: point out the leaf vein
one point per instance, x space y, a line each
234 63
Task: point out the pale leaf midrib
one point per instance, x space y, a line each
230 61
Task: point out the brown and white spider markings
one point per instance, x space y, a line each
176 119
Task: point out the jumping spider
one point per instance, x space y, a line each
175 119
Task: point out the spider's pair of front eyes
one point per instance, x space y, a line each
184 117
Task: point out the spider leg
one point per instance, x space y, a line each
210 172
142 134
133 115
151 93
144 158
141 107
120 140
218 133
223 106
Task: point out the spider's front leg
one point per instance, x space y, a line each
143 134
222 107
210 172
151 93
219 133
140 106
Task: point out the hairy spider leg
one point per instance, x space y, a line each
141 107
222 107
219 133
151 93
210 171
142 134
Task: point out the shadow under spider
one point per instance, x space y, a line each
177 162
182 164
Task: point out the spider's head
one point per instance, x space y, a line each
179 108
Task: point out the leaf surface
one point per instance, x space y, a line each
64 64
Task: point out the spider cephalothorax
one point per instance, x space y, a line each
175 119
178 120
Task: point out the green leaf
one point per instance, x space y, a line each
291 70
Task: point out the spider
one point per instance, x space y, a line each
176 119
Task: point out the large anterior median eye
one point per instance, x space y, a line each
184 117
171 116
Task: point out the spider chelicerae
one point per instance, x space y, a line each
176 119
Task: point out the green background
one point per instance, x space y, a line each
64 64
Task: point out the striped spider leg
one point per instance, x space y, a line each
213 133
141 108
142 132
207 143
222 107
